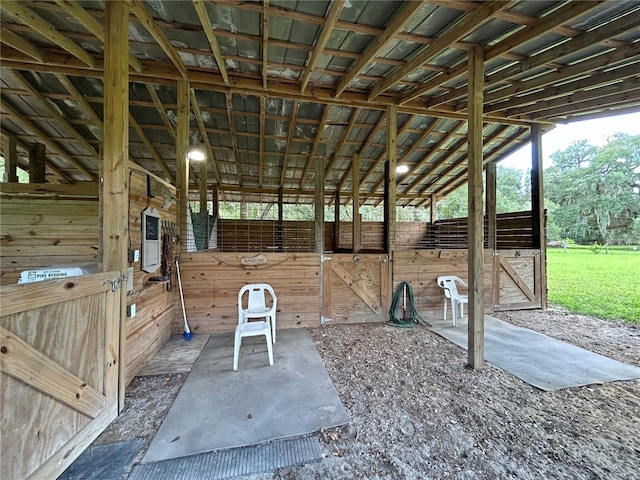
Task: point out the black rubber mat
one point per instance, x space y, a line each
233 462
103 462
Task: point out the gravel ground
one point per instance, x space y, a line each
417 412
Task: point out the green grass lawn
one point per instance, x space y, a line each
599 284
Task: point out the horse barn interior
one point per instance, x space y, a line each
293 103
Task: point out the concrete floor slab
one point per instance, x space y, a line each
218 408
539 360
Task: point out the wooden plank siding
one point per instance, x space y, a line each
150 329
211 282
47 225
422 267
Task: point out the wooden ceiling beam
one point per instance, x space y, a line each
149 146
529 33
234 139
82 100
211 160
568 94
205 20
45 139
263 108
347 131
24 15
426 158
316 143
382 156
58 117
149 23
265 43
579 69
400 19
457 30
596 103
290 137
9 38
372 133
161 111
92 25
335 8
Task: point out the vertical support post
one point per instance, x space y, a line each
475 230
280 226
357 223
391 178
537 207
203 199
11 160
491 204
434 208
336 225
319 204
215 213
115 180
182 164
37 163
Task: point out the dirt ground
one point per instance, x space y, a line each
417 412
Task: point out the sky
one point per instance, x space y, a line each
595 131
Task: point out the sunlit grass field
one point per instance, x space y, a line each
599 284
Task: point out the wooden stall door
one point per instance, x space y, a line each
58 371
356 288
517 280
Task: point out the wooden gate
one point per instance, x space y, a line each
517 280
356 288
58 371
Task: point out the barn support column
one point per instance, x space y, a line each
37 163
182 164
115 153
357 220
336 223
475 231
537 207
203 197
319 205
491 204
434 208
280 225
10 152
390 180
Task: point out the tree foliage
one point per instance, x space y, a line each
593 192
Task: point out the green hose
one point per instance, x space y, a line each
403 298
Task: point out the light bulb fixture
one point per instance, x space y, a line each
402 168
197 153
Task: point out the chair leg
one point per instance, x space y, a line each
445 309
454 307
236 350
273 328
269 347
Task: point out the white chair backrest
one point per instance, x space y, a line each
448 282
257 302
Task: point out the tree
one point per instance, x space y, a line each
512 195
595 190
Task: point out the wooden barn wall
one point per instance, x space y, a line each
211 282
422 267
513 231
47 225
150 329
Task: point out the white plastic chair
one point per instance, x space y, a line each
448 283
256 307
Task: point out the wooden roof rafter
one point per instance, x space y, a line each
156 32
9 38
161 111
232 132
265 44
335 8
347 131
92 25
23 14
290 137
204 135
45 139
149 146
456 31
205 20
